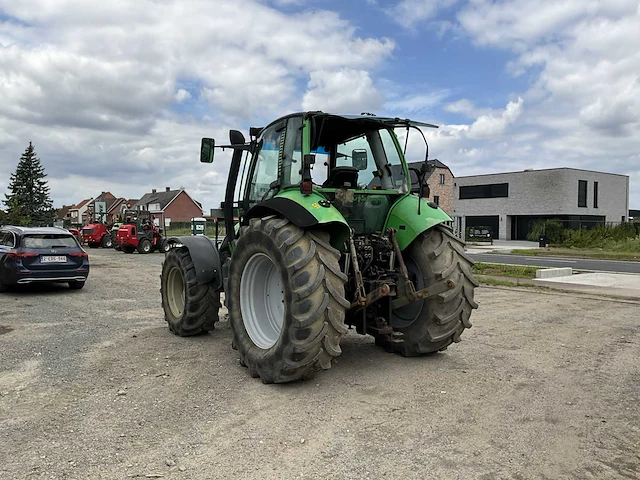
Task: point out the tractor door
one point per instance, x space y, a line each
275 163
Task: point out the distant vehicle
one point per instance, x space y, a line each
139 232
45 254
97 235
480 234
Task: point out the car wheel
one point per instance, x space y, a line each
75 285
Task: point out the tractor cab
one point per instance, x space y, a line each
141 231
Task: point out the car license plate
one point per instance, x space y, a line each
53 259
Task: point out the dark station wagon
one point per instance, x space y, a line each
43 254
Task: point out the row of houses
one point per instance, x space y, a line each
177 205
508 203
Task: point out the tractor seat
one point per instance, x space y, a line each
341 175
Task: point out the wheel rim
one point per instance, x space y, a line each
146 247
262 300
175 292
404 316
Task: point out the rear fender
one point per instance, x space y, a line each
305 211
403 217
205 256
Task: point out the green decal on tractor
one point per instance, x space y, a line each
326 230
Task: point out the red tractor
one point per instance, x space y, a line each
139 232
96 235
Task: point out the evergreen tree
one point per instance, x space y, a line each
28 202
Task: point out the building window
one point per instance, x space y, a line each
494 190
436 200
442 179
582 193
595 194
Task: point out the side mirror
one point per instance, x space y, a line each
359 159
206 150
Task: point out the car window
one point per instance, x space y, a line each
49 241
6 239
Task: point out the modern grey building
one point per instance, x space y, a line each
510 202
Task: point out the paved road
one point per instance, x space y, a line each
576 263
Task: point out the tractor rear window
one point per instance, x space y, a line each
49 241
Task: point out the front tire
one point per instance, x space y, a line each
144 246
286 300
106 241
190 308
433 324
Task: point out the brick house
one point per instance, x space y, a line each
104 200
78 211
64 214
177 205
441 183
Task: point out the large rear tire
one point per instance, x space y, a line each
286 300
190 308
433 324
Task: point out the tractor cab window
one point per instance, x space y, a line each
279 146
265 170
370 161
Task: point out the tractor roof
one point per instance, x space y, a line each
371 120
342 127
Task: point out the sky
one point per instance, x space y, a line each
116 95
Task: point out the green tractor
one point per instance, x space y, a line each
329 233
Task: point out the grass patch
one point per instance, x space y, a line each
187 231
498 270
497 282
598 254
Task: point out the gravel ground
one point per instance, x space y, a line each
93 385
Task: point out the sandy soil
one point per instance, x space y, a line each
93 385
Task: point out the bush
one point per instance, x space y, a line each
602 236
552 229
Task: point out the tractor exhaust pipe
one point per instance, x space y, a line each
235 138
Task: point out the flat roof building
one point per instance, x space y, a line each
509 203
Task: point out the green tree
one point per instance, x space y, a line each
28 201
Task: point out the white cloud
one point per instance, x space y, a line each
409 13
464 107
94 85
419 103
487 126
182 95
343 91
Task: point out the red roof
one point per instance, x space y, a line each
81 204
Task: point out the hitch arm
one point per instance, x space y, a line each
361 296
423 294
410 289
374 296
